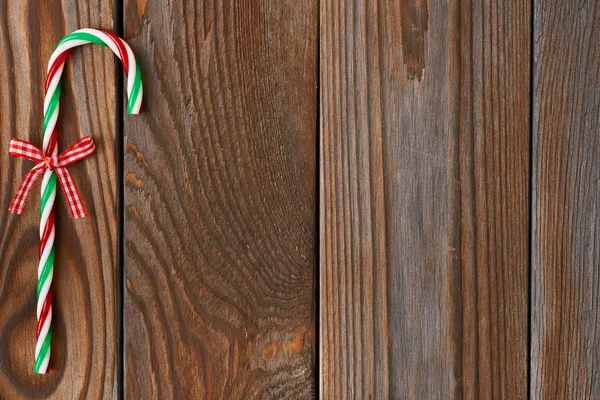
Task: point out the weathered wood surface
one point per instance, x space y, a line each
424 143
424 199
220 201
565 352
84 345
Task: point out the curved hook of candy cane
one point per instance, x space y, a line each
56 64
49 147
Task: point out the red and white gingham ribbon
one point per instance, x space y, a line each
77 151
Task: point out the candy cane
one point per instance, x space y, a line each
50 149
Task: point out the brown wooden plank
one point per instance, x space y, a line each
424 199
84 357
566 201
220 218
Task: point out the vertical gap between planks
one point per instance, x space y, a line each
319 241
119 143
530 194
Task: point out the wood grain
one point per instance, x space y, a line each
84 358
220 218
424 199
566 201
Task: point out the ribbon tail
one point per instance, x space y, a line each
24 190
67 183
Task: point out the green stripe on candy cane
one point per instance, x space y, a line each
135 91
45 272
50 187
82 36
43 352
51 108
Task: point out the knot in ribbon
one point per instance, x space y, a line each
79 150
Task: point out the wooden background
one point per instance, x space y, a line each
323 199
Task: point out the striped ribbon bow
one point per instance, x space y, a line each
77 151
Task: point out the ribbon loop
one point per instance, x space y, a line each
79 150
22 149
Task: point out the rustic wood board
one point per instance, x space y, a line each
220 201
84 346
424 166
565 352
